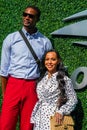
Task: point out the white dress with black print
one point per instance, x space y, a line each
48 94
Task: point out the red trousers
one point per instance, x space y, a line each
19 100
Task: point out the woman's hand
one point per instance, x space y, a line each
59 118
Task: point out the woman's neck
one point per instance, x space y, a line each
50 74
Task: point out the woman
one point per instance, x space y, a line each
54 89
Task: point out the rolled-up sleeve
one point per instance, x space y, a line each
5 57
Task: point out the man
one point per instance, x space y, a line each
19 72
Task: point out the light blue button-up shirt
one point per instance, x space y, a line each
16 58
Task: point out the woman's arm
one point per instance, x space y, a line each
70 105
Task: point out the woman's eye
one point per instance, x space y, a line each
46 59
53 59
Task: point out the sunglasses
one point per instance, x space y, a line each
29 15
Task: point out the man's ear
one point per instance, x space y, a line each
37 18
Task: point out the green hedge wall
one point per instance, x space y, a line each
52 13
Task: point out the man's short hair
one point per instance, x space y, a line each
35 8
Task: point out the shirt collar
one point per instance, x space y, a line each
53 75
27 34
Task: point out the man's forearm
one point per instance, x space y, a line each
3 84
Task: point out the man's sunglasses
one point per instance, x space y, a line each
29 15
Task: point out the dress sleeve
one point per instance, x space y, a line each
70 105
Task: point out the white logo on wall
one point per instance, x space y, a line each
78 29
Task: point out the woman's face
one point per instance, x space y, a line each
51 62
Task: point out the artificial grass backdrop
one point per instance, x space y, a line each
52 13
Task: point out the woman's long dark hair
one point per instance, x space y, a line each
60 77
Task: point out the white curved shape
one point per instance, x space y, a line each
77 15
83 43
76 29
74 78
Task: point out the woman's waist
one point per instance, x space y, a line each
47 101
